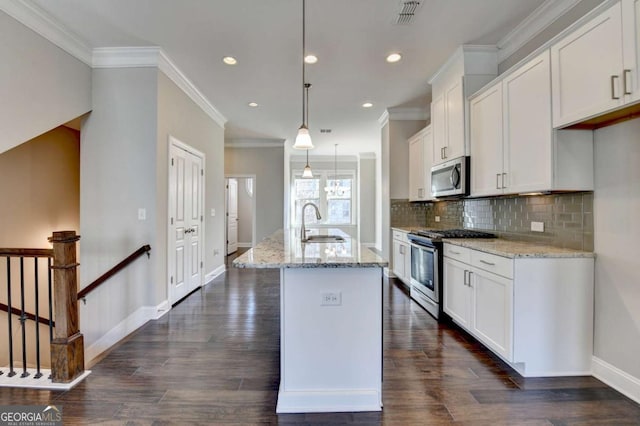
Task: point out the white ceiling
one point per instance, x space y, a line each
350 37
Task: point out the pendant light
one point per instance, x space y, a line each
303 139
307 173
335 189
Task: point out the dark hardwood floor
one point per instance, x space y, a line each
214 359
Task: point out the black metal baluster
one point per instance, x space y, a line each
50 281
35 270
11 372
23 320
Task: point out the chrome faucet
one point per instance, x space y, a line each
303 230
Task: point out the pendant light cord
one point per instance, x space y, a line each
304 121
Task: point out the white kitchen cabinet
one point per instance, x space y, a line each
401 256
536 313
457 293
420 161
492 310
594 68
487 168
514 148
466 71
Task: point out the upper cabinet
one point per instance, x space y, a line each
420 161
466 71
595 67
514 148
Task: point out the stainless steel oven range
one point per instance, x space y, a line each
426 265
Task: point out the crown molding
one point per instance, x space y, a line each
407 113
126 57
254 143
36 19
384 118
367 155
459 53
546 14
170 69
153 56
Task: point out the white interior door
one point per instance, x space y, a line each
232 215
186 196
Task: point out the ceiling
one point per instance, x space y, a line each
350 37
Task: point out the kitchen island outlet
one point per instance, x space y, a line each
330 322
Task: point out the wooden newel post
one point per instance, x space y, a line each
67 347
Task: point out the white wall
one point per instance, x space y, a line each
267 164
245 214
617 245
395 170
180 117
118 176
367 199
42 86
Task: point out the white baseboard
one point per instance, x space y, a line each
245 245
162 309
328 401
214 274
120 331
623 382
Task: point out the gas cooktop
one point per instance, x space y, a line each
435 234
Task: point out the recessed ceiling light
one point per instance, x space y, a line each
253 104
367 105
394 57
229 60
310 59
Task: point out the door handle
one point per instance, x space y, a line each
487 263
498 181
466 277
613 87
625 79
504 175
444 149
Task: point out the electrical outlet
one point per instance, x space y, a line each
437 218
142 214
331 299
537 226
213 212
216 252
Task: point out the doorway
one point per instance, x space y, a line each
240 212
186 214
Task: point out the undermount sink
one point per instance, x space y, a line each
323 239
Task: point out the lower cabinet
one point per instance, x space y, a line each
535 313
493 310
401 256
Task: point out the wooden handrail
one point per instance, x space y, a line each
82 293
111 272
26 252
18 312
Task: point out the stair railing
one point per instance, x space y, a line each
66 341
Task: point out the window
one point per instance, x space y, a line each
336 207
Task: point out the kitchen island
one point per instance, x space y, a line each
330 321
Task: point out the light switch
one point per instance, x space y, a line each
213 212
142 214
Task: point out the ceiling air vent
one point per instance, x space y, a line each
325 130
408 9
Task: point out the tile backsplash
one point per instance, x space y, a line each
567 218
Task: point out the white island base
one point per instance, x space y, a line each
331 339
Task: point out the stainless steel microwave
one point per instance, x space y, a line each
451 178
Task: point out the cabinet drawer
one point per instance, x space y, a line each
489 262
400 236
461 254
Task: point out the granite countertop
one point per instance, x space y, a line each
284 249
516 249
406 228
